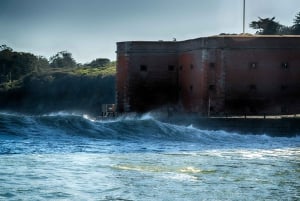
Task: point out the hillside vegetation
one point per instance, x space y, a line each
32 87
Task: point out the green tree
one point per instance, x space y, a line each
14 65
5 62
284 30
41 63
99 62
296 26
62 59
266 26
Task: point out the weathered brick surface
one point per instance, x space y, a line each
214 75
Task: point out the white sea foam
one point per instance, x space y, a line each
180 177
62 114
143 158
190 169
85 116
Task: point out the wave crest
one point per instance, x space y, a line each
130 127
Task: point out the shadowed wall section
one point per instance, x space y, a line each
211 76
147 75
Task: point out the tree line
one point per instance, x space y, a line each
14 65
268 26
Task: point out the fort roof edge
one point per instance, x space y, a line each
213 36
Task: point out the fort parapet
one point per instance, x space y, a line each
221 75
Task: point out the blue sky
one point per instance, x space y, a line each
89 29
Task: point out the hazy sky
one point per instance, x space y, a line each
89 29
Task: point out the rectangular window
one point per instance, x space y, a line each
252 87
253 65
212 87
284 65
283 87
211 64
171 68
143 68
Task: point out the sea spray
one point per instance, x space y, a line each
76 131
66 156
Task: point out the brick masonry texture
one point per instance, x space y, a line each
220 75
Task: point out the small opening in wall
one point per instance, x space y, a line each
143 68
283 87
212 87
192 66
171 68
284 65
252 87
180 67
253 65
212 64
191 87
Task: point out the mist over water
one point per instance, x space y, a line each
64 156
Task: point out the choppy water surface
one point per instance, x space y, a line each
69 157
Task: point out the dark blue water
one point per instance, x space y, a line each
64 156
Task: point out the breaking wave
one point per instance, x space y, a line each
68 132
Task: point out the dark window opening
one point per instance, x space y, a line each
143 68
192 66
212 87
171 68
253 65
252 87
212 65
284 65
191 88
283 87
180 67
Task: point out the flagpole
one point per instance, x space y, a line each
244 11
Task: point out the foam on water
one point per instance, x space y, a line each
74 132
65 156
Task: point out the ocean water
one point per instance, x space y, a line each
65 156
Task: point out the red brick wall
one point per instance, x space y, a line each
157 85
122 96
267 87
203 86
211 76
